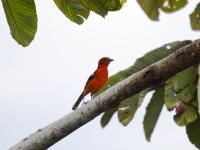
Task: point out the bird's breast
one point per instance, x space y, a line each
99 80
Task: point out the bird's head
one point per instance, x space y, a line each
104 61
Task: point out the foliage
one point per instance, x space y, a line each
178 93
128 107
152 7
74 10
153 111
22 18
195 18
193 132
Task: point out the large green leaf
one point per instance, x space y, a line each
129 106
181 87
153 111
189 115
112 5
73 9
78 10
151 57
152 7
172 5
195 18
22 19
95 5
180 93
193 132
107 116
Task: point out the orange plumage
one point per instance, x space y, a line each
96 81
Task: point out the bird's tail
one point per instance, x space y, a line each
78 101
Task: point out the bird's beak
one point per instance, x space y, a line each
111 60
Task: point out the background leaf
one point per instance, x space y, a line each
153 111
150 7
195 18
95 5
22 19
181 87
172 5
129 106
112 5
193 132
188 116
73 10
107 116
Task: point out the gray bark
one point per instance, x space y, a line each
150 76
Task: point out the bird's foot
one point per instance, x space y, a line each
85 102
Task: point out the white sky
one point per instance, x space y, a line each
40 83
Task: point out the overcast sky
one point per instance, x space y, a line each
40 83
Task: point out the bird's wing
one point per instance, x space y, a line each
91 78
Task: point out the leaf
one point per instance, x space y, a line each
95 5
172 5
150 7
22 19
170 97
195 18
188 116
112 5
193 132
73 10
188 75
153 111
198 89
181 87
129 106
107 116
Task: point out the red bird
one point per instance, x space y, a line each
96 81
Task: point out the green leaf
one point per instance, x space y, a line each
170 97
188 75
153 111
105 119
73 10
181 87
112 5
195 18
193 132
129 106
172 5
22 19
188 116
96 6
150 7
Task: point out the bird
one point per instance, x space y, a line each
96 81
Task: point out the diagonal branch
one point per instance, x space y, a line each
153 75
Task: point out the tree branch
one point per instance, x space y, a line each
153 75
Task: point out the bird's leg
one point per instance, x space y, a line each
92 95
